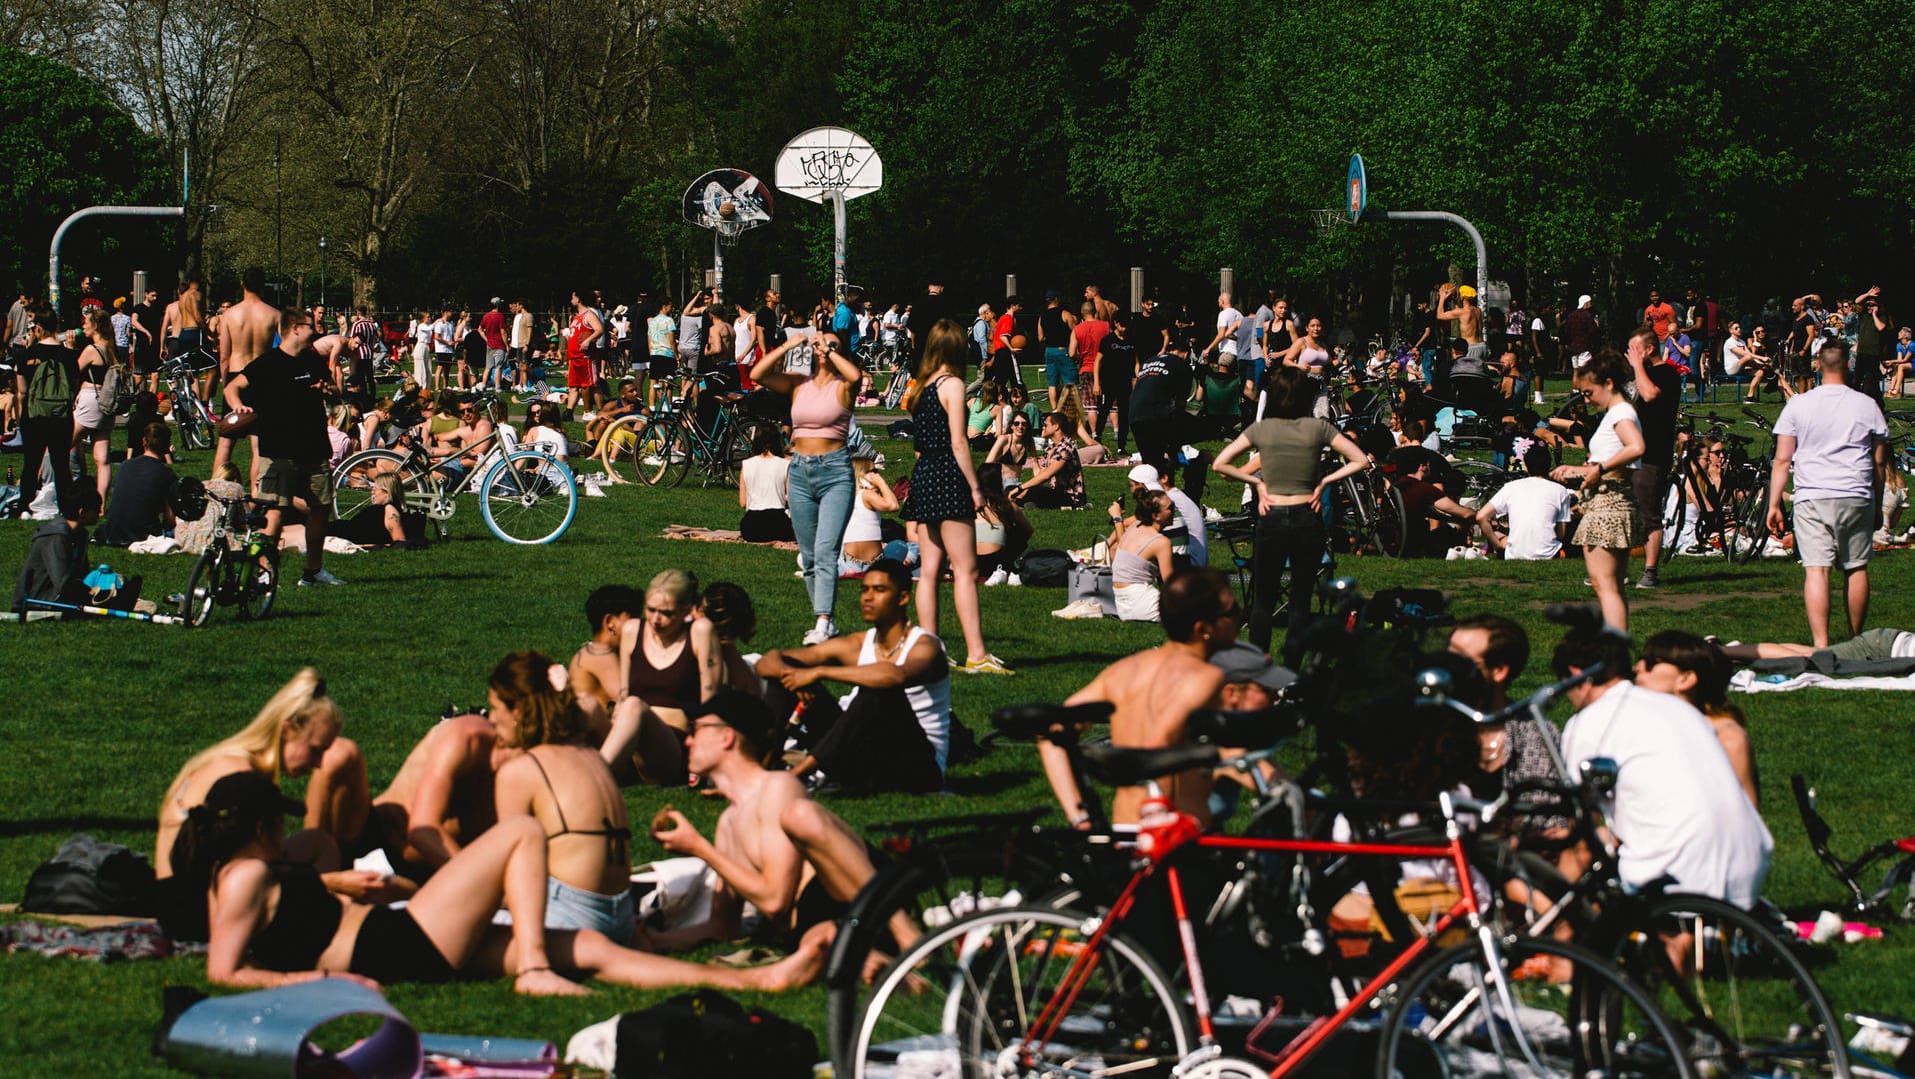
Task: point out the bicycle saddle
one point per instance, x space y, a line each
1245 730
731 398
1048 720
1126 767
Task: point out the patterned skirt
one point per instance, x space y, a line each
1610 518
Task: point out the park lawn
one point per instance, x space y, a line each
99 715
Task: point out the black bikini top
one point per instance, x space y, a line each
304 924
619 837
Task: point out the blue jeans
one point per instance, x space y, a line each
822 487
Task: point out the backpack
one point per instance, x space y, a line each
118 390
1044 567
706 1033
50 390
87 876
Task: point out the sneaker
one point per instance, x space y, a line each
997 577
589 417
1015 581
822 632
988 665
322 577
1648 578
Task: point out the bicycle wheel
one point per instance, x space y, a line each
738 444
196 430
987 996
618 447
1672 521
663 452
202 587
1547 1009
1392 523
528 497
1751 527
352 481
258 590
1746 1002
940 882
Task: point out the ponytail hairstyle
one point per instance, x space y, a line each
946 348
546 716
239 809
729 608
298 705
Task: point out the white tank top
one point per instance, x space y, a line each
930 703
864 525
741 341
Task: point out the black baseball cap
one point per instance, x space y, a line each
742 712
253 795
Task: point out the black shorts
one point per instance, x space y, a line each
664 366
391 948
146 360
1651 484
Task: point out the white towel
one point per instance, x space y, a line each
1750 682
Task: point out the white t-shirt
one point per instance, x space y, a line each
892 325
1226 319
1835 430
1735 352
1535 505
1606 443
764 479
442 339
798 358
546 439
1678 810
1191 516
522 329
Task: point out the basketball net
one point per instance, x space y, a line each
1327 221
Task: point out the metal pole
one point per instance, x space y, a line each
837 247
778 283
717 264
1010 285
279 250
1136 288
1227 281
1482 252
322 275
59 235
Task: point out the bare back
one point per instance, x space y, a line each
246 332
449 774
1154 693
571 791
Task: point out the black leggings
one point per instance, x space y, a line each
1293 536
41 435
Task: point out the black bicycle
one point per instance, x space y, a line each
239 568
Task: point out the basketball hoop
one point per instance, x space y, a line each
729 229
1328 221
727 201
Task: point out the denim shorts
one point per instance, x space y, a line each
1058 368
567 907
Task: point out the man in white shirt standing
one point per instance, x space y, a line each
521 342
1678 811
1227 319
1836 441
1538 508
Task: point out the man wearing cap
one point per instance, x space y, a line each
1251 682
893 732
793 860
1582 332
1154 692
1190 516
1467 316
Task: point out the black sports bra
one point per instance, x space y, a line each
304 924
619 837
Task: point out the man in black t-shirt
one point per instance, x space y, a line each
768 324
285 390
143 338
1156 406
1658 394
141 492
1149 331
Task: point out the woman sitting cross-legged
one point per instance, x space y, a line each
274 924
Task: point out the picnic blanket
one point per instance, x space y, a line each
102 944
718 535
1752 682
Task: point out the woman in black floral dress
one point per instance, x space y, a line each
945 496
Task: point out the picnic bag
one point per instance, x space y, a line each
87 876
706 1033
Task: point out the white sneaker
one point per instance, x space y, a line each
589 417
324 576
822 632
1015 581
998 576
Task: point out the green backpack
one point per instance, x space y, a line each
50 391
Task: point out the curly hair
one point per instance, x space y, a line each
728 606
546 716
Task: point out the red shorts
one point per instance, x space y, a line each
579 373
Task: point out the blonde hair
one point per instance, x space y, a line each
389 483
680 586
298 705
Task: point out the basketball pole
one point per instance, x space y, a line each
1482 251
717 264
836 195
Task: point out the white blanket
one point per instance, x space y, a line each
1751 682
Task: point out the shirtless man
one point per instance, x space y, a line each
455 450
183 329
247 332
593 674
1467 316
793 860
1106 310
1154 693
441 799
668 663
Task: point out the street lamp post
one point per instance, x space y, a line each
322 270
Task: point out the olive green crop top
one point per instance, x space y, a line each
1290 450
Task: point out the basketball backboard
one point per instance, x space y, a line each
727 201
1357 188
817 162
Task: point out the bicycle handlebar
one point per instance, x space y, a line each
1433 691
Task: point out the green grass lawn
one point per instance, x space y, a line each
95 718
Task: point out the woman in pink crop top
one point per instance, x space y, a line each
821 481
